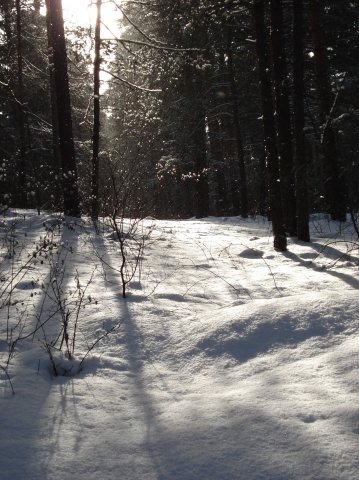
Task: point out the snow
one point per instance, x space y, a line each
227 360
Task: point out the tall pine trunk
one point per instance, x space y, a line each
280 240
237 129
21 164
284 134
217 166
63 109
96 116
56 161
201 189
300 156
197 141
333 177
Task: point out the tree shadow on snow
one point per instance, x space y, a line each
24 419
344 277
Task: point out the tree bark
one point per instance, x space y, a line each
333 182
280 240
300 156
197 140
96 114
63 109
201 189
217 165
237 128
21 166
283 121
54 119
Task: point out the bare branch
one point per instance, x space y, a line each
136 27
131 85
151 45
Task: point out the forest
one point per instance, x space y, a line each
179 239
186 108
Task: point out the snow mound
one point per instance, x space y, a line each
244 332
252 253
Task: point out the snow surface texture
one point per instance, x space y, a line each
227 360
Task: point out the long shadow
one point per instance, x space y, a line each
234 440
136 356
350 280
244 346
328 251
21 415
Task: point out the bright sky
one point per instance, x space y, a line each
80 12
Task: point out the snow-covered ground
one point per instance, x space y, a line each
227 360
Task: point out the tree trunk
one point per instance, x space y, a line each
201 189
237 129
284 134
54 119
21 167
63 109
280 240
333 177
217 166
300 157
196 145
96 116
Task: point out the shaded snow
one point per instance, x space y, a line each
230 360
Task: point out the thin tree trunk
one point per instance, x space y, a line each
300 156
217 165
21 170
333 182
280 240
63 109
55 127
96 113
200 154
197 141
284 136
237 129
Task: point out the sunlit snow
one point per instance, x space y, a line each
227 360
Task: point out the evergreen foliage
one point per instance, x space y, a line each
181 110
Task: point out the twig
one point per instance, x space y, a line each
9 379
115 327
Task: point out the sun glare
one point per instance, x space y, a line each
83 13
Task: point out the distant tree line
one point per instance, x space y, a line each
209 108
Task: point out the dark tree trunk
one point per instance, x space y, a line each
96 113
217 166
263 186
280 76
63 109
228 141
21 166
300 156
201 189
229 154
196 145
237 130
333 177
54 119
280 240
